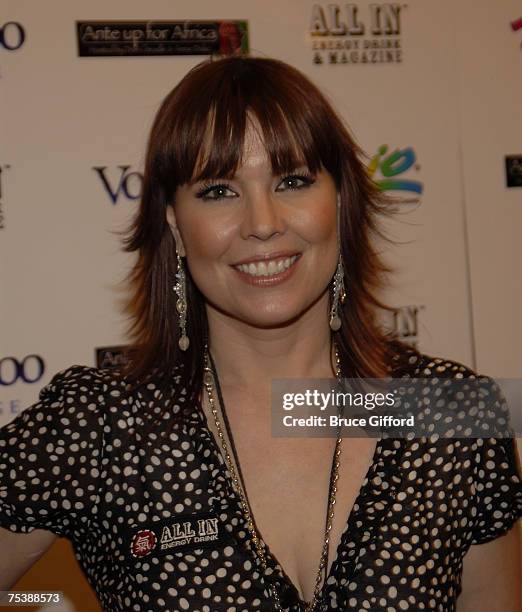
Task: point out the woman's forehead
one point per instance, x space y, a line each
253 147
254 151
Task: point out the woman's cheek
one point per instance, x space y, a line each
207 236
319 224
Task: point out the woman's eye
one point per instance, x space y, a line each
295 181
220 191
215 192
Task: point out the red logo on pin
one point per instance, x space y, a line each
143 543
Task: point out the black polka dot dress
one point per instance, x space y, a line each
155 524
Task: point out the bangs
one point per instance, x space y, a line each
207 136
220 153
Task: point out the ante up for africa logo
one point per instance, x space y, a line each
388 169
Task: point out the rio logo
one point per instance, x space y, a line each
127 184
12 36
387 168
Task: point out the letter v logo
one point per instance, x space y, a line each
130 183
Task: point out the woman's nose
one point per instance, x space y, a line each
262 217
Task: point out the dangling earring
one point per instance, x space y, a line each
181 304
338 295
338 291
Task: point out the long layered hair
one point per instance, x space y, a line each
198 134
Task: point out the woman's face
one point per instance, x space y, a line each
261 248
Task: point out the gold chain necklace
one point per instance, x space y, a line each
208 379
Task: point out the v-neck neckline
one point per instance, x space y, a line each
348 528
353 530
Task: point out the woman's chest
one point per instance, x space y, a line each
299 490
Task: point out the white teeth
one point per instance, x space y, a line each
263 268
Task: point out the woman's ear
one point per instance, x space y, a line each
171 220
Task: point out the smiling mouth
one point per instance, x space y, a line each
269 268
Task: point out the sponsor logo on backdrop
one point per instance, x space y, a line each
111 356
516 26
357 34
28 369
142 38
403 322
393 171
12 36
3 168
122 182
513 170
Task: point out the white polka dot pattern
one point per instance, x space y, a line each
148 504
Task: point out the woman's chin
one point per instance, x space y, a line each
270 313
272 318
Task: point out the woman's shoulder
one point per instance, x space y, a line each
74 395
114 397
103 383
56 437
81 384
450 394
408 362
81 377
67 392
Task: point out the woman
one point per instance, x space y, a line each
256 262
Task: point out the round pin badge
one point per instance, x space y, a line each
143 543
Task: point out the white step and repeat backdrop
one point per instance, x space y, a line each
431 90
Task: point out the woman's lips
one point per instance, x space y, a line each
271 279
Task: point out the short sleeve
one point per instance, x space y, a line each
497 476
50 456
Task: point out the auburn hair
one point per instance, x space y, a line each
198 134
